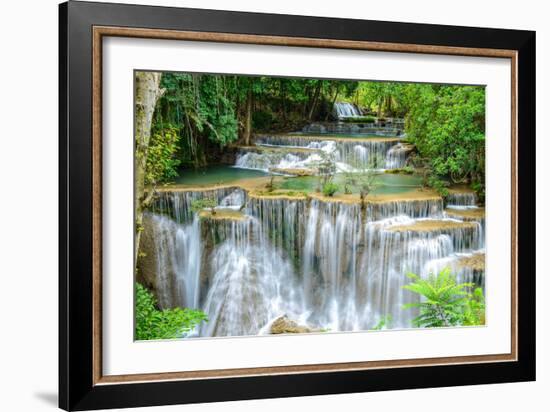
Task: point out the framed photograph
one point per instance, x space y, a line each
257 205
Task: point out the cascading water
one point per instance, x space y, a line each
346 110
396 157
331 265
461 199
347 153
178 257
251 284
178 204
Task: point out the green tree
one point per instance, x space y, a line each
152 323
447 125
444 302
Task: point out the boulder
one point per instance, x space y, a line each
285 325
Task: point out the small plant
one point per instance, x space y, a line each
201 204
152 323
445 302
474 312
270 186
365 178
383 323
326 169
329 189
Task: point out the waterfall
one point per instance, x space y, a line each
415 208
329 271
267 160
464 273
344 109
252 283
327 264
347 153
396 157
461 199
178 256
178 204
348 128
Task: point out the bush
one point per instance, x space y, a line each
407 170
206 203
152 323
329 189
445 302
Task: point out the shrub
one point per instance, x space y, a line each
329 189
444 302
383 323
152 323
407 170
162 160
206 203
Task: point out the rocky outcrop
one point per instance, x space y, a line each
146 272
285 325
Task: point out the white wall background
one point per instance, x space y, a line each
28 205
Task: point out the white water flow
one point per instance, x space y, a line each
178 251
329 265
346 110
461 200
250 283
396 157
298 152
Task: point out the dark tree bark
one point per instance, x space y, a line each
314 100
248 118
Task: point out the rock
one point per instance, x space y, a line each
147 264
285 325
293 172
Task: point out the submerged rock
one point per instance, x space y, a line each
285 325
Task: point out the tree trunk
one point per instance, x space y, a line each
147 93
248 120
314 101
333 102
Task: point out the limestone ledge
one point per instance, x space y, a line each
222 214
256 188
275 149
335 138
430 225
474 214
475 262
460 188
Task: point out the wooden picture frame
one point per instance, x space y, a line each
82 28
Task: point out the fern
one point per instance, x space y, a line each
445 302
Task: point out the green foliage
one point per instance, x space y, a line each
440 185
447 125
383 323
209 112
474 310
408 170
162 161
444 302
205 203
330 188
152 323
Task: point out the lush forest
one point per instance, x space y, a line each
198 115
406 167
